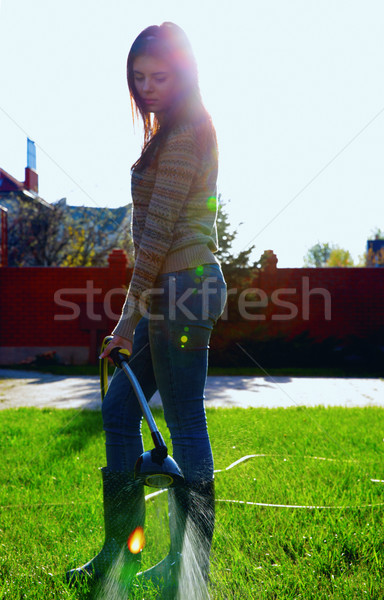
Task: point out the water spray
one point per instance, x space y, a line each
155 468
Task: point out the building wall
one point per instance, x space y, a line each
69 310
313 316
325 302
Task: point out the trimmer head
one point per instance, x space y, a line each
158 472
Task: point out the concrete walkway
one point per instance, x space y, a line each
26 388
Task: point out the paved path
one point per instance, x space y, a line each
26 388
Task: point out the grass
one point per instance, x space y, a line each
51 513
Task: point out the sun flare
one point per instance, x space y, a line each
136 540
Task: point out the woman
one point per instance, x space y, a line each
176 294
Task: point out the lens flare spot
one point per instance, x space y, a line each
211 203
184 338
199 270
136 540
186 328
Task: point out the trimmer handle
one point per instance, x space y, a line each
119 355
120 358
103 368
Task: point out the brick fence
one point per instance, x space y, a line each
323 302
69 310
303 316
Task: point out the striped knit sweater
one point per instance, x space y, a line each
174 218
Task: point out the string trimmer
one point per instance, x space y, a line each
155 467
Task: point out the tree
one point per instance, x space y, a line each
327 255
34 234
92 234
229 261
374 256
318 255
377 233
340 258
61 235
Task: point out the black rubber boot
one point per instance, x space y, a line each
184 572
124 511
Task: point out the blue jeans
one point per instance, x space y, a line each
170 354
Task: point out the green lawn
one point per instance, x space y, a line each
309 524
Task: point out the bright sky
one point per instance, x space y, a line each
295 89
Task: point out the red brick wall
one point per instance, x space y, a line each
70 309
330 308
64 309
329 302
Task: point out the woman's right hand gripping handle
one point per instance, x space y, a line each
116 342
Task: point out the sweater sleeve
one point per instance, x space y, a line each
177 166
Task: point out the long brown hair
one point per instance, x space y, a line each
169 42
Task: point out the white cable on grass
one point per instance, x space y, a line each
298 505
248 456
235 464
244 458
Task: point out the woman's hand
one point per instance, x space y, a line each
117 342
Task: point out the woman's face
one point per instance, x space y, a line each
155 83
